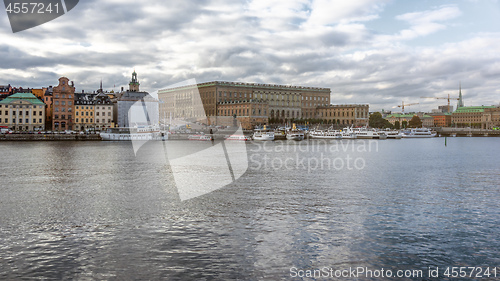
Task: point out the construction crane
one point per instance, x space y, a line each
448 98
402 105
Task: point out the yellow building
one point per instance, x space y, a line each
84 112
22 112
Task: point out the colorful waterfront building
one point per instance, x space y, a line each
491 118
103 111
47 99
22 112
471 116
84 112
442 119
63 105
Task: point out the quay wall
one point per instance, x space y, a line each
49 137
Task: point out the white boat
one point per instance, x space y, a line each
238 138
393 134
381 135
280 134
419 133
200 137
263 135
362 133
296 135
134 133
347 133
324 134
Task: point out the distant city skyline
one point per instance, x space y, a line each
376 52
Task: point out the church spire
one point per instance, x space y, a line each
460 99
134 83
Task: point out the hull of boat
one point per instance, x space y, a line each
419 136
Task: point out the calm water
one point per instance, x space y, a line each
92 210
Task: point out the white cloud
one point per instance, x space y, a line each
426 22
301 42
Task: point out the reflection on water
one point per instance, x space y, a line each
92 210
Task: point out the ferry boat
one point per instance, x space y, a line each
361 133
295 134
380 135
200 137
325 134
263 135
238 138
393 134
280 134
347 133
134 133
419 133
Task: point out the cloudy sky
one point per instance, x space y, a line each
376 52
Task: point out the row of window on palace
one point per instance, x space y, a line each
86 120
295 97
344 114
27 113
20 121
239 111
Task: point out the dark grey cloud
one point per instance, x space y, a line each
171 41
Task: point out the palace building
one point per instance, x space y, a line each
202 101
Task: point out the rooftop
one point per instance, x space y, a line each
470 109
22 96
244 85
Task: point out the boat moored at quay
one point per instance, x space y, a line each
200 137
134 133
295 134
263 135
419 133
325 134
238 138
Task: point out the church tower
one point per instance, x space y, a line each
460 100
134 83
